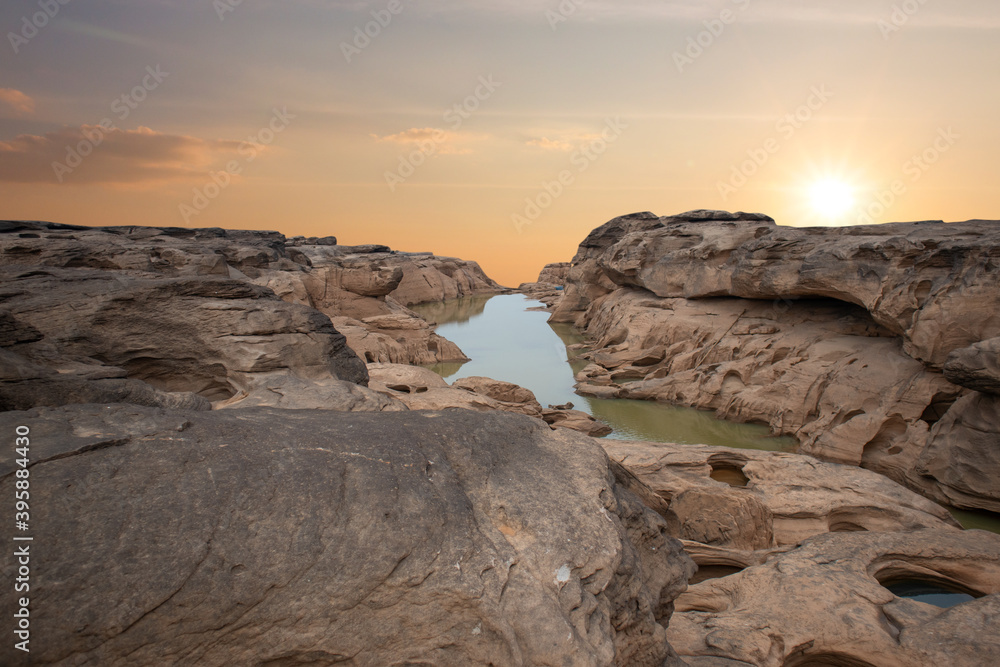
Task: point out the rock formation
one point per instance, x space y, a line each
837 336
826 603
291 537
423 389
794 556
747 500
181 317
548 288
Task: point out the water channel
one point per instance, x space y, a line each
506 341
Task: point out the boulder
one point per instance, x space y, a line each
205 335
555 274
281 537
826 603
976 367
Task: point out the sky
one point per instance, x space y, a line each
501 132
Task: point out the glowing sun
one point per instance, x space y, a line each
830 198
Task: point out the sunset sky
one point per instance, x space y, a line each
496 131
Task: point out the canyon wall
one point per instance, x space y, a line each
873 345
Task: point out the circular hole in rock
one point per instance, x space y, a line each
706 572
729 473
930 592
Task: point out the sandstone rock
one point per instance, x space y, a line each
408 344
506 392
745 500
264 536
961 460
576 420
356 282
976 367
927 282
423 389
835 336
824 603
285 390
203 335
555 274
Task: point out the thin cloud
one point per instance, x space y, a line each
91 154
442 141
962 14
17 101
550 144
564 142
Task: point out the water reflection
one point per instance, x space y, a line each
507 342
453 311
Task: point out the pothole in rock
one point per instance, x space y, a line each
930 592
918 583
730 473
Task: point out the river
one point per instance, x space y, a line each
508 342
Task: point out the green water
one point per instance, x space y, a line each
507 342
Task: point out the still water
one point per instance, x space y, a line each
507 342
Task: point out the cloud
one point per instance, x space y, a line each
550 144
20 103
443 141
965 14
96 154
564 142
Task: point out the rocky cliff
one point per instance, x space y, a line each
872 345
181 317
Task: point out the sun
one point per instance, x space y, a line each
831 198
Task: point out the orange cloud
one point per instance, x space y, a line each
564 141
105 154
20 103
442 141
550 144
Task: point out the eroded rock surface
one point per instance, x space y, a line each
182 317
423 389
744 499
836 336
825 603
267 536
351 282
